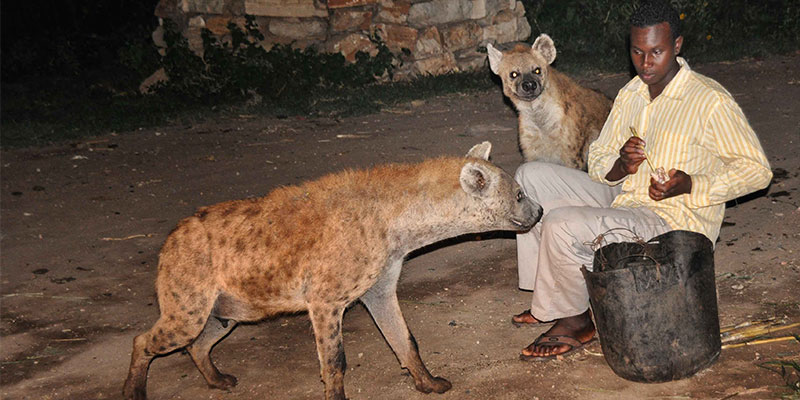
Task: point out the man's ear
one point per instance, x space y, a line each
678 44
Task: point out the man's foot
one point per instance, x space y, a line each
567 335
526 318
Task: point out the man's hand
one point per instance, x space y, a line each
679 183
631 155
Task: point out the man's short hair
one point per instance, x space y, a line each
654 12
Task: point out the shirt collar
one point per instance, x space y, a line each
675 88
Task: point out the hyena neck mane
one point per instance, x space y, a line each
546 111
418 204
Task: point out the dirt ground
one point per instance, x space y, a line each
82 224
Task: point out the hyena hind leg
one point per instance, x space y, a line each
172 331
200 350
136 383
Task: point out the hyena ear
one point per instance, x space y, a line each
544 45
476 179
494 58
480 151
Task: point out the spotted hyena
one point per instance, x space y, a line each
318 247
558 119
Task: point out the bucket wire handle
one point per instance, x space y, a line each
600 241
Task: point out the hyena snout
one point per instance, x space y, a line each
526 214
529 88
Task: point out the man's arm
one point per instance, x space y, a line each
746 168
603 152
631 155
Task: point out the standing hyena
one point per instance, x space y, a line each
558 119
319 247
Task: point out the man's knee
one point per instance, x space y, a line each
532 174
581 224
530 171
563 216
567 222
569 229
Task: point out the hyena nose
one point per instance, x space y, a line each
529 86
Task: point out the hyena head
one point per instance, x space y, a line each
497 199
523 70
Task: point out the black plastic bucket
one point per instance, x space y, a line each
655 306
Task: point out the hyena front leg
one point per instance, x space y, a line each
381 301
327 323
200 350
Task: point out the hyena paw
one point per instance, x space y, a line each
441 385
134 394
438 385
224 382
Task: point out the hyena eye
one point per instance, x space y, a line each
537 71
514 74
520 196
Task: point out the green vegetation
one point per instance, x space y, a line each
283 77
57 93
789 371
591 35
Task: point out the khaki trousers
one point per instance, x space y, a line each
576 211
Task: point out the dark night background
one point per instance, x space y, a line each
72 68
69 37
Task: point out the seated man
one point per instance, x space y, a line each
689 125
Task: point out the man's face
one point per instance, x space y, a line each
653 54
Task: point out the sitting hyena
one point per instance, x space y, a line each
319 247
558 119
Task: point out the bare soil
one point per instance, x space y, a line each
82 224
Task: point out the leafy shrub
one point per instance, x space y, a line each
68 81
593 34
139 55
283 77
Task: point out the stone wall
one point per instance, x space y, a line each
441 35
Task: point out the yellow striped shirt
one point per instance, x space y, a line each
695 126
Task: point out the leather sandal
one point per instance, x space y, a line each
553 341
